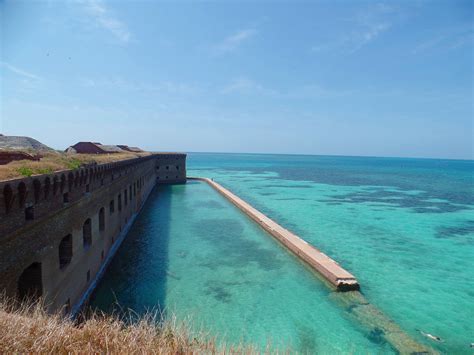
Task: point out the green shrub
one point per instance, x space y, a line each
24 171
73 163
45 171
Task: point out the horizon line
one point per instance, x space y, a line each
332 155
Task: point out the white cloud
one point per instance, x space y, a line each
103 17
244 85
235 40
364 27
447 39
20 72
119 83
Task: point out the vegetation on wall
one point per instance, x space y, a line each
56 161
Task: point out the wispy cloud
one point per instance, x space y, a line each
447 39
247 86
104 17
119 83
364 27
20 71
234 41
243 85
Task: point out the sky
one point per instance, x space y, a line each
316 77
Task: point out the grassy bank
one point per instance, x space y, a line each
29 329
55 161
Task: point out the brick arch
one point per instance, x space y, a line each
22 192
55 185
8 197
36 189
47 187
70 181
87 233
30 283
62 184
65 251
102 219
76 179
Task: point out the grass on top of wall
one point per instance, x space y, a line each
29 329
56 161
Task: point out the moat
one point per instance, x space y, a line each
192 253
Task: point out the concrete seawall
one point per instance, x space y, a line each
320 262
359 308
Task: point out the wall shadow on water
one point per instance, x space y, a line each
136 277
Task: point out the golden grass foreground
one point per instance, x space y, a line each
29 329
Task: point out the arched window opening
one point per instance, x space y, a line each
30 283
62 185
102 219
119 202
29 213
70 181
55 185
87 233
8 198
130 192
112 207
36 189
65 251
22 194
125 197
76 179
47 186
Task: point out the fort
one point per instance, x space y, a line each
58 231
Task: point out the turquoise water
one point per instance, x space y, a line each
404 227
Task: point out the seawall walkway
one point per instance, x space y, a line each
324 265
360 308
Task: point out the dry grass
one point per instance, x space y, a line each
29 329
56 161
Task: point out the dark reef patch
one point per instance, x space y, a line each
291 199
306 339
282 186
376 336
228 236
463 232
267 193
417 203
219 293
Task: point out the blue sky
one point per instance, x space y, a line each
343 77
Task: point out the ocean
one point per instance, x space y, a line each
403 227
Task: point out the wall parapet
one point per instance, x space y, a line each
26 200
